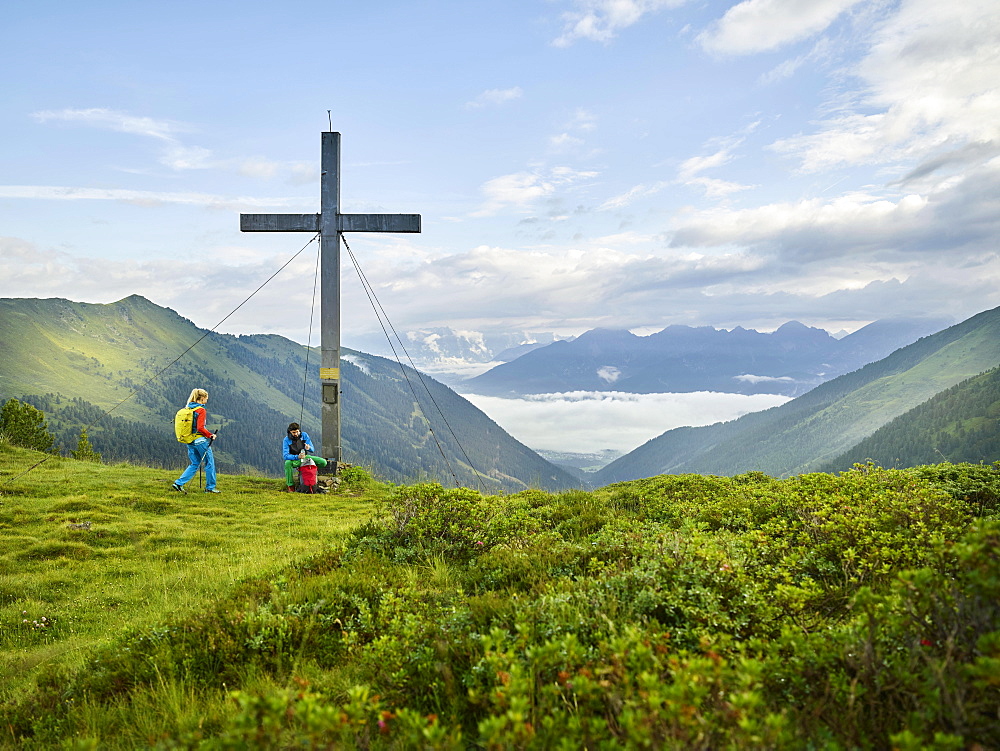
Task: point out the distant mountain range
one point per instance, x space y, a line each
76 360
839 421
453 355
789 361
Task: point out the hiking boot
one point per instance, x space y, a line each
178 488
212 490
289 489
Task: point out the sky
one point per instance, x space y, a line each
576 163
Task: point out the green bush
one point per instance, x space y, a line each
421 521
820 611
976 484
25 426
84 450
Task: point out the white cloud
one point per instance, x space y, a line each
359 362
521 189
748 378
787 68
174 153
631 195
761 25
591 421
583 120
609 373
564 141
218 280
141 197
717 188
843 225
495 97
601 20
928 84
120 121
691 167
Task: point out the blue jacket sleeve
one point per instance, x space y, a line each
285 445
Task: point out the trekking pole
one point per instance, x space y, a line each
201 464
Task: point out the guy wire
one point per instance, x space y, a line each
373 299
312 312
177 359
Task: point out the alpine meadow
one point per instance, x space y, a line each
682 611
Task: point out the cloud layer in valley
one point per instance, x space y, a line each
584 421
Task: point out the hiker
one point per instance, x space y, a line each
200 448
296 448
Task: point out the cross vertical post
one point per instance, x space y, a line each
329 239
329 223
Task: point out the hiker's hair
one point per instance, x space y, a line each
293 426
197 394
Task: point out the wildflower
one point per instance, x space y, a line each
926 643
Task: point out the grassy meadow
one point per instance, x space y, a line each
859 610
89 552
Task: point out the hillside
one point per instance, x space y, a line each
961 424
74 361
788 361
680 612
814 429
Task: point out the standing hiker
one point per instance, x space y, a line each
189 426
295 448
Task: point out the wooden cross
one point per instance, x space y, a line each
329 223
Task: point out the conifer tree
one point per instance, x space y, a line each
84 451
24 425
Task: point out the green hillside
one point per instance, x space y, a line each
961 424
678 612
75 361
817 427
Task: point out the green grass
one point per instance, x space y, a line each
149 555
859 610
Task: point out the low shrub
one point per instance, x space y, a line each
860 610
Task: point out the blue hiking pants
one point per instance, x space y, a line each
198 450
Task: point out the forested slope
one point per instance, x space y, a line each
961 424
76 361
812 430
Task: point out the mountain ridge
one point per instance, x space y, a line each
80 359
789 361
813 429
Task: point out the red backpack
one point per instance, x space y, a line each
307 478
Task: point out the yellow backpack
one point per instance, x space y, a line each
185 422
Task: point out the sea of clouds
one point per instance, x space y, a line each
587 421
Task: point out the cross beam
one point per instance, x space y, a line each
330 223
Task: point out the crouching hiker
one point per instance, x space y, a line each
189 427
296 448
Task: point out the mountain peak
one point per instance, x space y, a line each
798 330
137 300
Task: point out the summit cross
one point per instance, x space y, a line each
329 223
